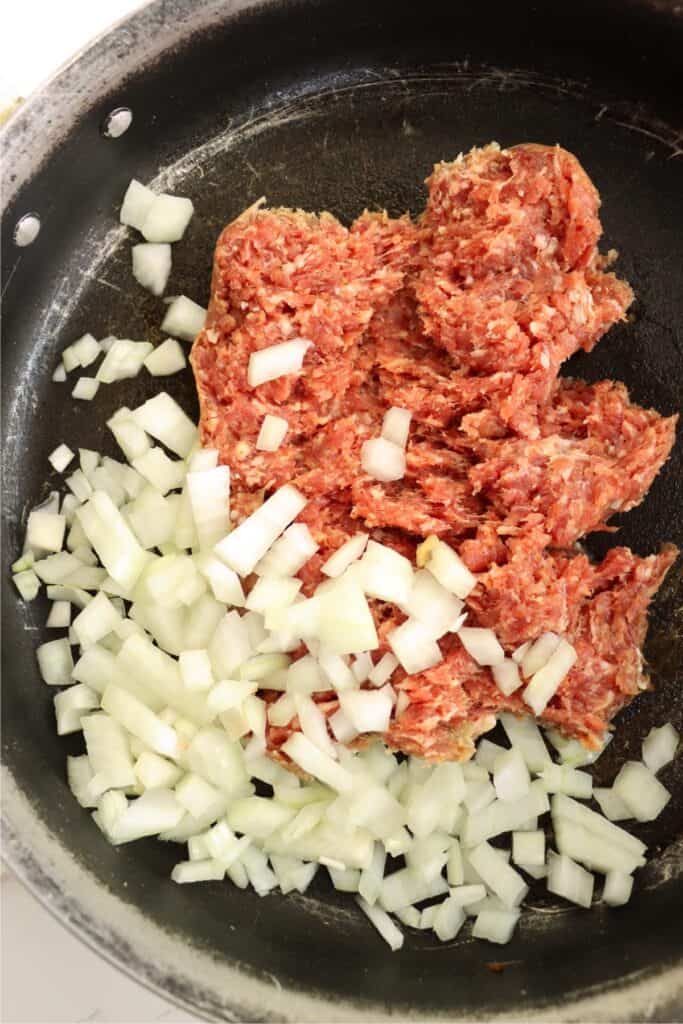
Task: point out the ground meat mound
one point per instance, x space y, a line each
464 317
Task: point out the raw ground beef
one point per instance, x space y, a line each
464 318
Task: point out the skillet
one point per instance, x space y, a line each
339 104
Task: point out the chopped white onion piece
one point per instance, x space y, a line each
341 727
224 582
112 539
511 775
525 734
495 925
131 438
313 761
342 558
55 662
313 724
139 720
560 778
27 583
414 647
198 871
60 458
449 569
537 653
498 876
272 592
344 879
165 420
152 266
109 754
546 681
659 747
196 795
392 935
272 433
166 359
45 530
506 676
59 373
448 920
383 670
162 473
385 574
96 620
209 493
504 816
611 805
617 889
405 887
248 542
136 204
367 710
289 553
482 645
528 848
184 319
195 670
396 426
641 791
382 460
346 625
167 218
60 615
85 388
276 361
155 772
71 705
568 879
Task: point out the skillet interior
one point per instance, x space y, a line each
336 106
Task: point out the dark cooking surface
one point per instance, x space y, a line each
339 106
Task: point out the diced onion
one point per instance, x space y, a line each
184 319
136 204
367 710
495 925
342 558
611 805
525 734
546 681
538 653
449 569
60 458
506 676
641 791
617 889
560 778
249 541
166 359
414 647
568 879
55 662
165 420
85 388
209 493
276 361
482 645
659 747
152 266
528 848
382 460
511 776
59 373
313 761
272 433
167 218
396 426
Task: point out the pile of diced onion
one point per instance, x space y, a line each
147 577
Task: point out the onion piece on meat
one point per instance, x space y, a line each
249 541
209 494
506 676
347 553
272 433
289 553
482 645
538 653
414 646
383 460
315 762
449 569
385 574
276 361
396 426
546 681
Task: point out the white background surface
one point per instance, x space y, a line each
46 975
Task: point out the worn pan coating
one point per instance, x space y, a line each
336 105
